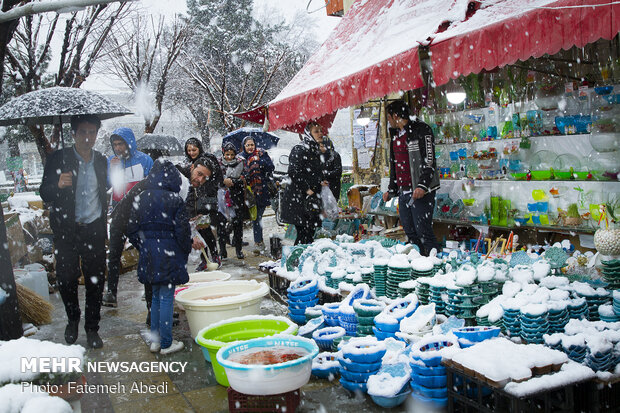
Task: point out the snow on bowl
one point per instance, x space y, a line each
271 365
211 302
364 350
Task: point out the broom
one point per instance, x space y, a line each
32 307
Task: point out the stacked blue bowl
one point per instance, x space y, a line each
607 313
576 353
602 360
396 275
314 312
533 327
554 341
578 308
387 323
468 336
311 326
324 337
428 383
616 302
380 278
436 297
454 301
366 311
325 365
331 314
302 294
512 322
429 378
594 302
357 366
348 320
368 275
558 317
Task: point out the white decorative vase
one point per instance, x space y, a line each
607 241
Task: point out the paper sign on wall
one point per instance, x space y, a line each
363 158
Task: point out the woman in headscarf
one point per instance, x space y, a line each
301 202
193 149
232 170
258 172
204 198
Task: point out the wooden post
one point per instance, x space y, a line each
10 322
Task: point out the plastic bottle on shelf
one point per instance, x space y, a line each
491 118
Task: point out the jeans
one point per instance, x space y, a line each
161 313
417 221
85 251
257 224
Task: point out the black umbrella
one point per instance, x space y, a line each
56 105
160 145
262 139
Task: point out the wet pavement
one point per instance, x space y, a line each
195 390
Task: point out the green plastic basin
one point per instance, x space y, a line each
217 335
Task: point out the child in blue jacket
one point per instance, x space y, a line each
159 228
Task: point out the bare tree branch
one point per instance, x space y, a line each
30 9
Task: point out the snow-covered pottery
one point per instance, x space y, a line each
359 367
325 336
364 350
390 402
353 386
325 365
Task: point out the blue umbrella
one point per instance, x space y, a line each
262 139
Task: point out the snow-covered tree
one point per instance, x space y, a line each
142 53
84 33
237 62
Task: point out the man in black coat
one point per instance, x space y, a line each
332 167
413 175
205 177
301 202
74 184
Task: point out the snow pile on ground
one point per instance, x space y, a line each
11 353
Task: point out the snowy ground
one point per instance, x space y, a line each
123 329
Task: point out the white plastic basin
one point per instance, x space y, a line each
269 379
207 276
208 303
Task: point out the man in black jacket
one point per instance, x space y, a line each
74 183
413 175
205 177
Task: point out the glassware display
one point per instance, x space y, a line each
605 135
568 166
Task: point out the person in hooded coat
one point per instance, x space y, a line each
159 229
128 165
301 202
258 174
232 170
332 166
126 168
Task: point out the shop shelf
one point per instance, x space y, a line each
467 394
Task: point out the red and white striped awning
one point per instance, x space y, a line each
373 51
